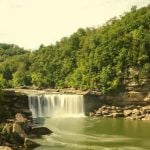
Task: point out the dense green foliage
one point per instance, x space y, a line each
93 58
14 61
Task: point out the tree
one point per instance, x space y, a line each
21 77
3 82
92 58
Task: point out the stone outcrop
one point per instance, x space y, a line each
133 93
17 129
130 112
16 102
5 148
17 133
20 118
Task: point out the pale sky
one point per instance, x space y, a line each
30 23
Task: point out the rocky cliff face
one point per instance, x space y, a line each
135 93
16 103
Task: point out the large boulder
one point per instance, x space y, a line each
39 131
146 109
105 112
117 115
17 129
24 123
147 117
20 118
99 111
136 112
127 113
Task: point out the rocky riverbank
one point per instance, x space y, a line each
15 102
129 112
18 134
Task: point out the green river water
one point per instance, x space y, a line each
95 134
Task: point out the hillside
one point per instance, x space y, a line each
93 58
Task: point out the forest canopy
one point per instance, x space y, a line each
92 58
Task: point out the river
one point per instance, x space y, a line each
86 133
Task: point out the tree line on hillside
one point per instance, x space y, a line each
92 58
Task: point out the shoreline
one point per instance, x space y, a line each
128 112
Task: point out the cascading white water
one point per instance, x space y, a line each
56 105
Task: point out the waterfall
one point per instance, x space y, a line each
56 105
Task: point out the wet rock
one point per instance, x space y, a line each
127 113
38 131
117 115
28 143
105 112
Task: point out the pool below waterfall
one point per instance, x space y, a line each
64 115
95 134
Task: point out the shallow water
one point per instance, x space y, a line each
95 134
